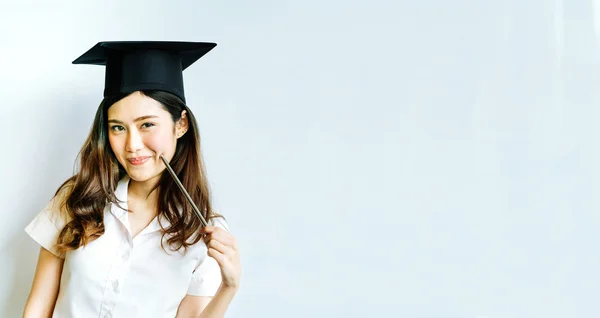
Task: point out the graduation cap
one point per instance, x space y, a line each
144 65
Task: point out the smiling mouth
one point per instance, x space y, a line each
138 161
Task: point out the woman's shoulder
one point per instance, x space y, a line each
56 208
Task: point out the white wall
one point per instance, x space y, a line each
374 158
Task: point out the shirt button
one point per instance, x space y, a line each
107 315
125 256
116 285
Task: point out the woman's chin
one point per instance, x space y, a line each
140 175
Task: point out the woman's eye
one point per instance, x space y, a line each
147 125
117 128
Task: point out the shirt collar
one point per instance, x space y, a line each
121 212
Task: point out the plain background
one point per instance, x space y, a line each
374 158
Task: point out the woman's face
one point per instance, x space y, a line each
139 130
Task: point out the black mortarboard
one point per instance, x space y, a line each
143 65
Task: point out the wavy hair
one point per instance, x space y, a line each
93 187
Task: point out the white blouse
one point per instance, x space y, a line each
120 276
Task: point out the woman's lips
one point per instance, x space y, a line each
138 160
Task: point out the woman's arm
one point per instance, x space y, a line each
207 307
223 248
219 303
44 289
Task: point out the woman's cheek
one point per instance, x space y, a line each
116 147
159 143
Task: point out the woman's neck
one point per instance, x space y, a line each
142 193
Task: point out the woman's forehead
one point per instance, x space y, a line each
134 106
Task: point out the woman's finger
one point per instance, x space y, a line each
214 230
222 236
219 257
220 247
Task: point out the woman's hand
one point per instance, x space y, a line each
223 247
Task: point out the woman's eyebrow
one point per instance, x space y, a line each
137 119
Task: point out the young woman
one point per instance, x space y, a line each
119 238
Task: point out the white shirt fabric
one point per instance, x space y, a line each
120 276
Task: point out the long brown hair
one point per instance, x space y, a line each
93 186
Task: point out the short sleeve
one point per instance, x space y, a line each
206 278
47 224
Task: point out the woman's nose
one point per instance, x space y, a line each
134 141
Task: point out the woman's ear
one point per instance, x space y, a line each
182 124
